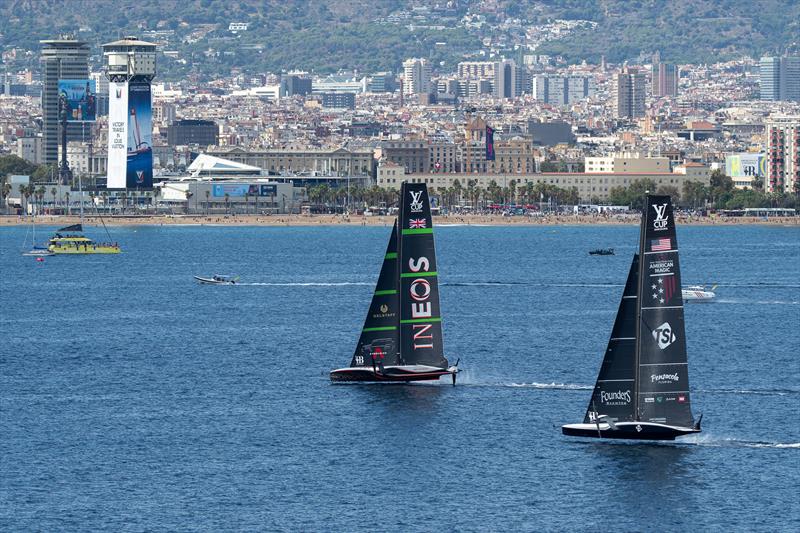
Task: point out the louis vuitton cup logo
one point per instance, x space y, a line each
660 221
416 201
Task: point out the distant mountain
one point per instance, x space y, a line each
372 35
691 31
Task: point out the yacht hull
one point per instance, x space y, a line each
391 373
628 430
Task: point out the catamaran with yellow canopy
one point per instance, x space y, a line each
70 240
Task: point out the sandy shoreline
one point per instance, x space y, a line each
354 220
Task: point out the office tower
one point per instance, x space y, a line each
629 93
292 84
783 154
502 75
561 91
780 78
63 58
416 76
665 79
130 67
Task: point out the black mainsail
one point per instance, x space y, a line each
642 390
380 338
402 335
420 315
662 387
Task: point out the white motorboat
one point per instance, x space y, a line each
218 280
698 293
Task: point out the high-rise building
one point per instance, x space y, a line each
665 79
502 75
780 78
783 154
561 91
292 84
130 67
629 93
381 82
63 58
416 76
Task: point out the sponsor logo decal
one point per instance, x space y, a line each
119 92
415 223
660 222
649 400
140 176
638 428
420 291
384 308
664 378
664 336
615 398
681 399
661 265
662 289
416 201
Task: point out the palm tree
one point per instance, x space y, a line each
208 194
66 195
189 195
156 194
227 203
53 192
6 190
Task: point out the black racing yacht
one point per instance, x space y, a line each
402 335
642 391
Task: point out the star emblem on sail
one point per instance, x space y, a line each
662 289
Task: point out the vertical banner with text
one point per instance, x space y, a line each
117 135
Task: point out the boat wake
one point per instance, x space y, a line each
519 283
759 392
713 441
307 284
758 302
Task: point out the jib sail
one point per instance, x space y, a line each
379 341
613 394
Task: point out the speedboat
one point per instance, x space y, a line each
698 293
38 251
218 280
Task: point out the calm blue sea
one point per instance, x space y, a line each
133 399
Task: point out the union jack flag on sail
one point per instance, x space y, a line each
416 223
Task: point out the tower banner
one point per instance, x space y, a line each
117 135
130 138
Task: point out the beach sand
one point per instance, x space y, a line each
358 220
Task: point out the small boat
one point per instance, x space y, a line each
36 251
698 293
642 390
218 280
70 240
401 340
602 251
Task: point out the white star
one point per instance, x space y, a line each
654 287
661 300
660 281
655 295
660 291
